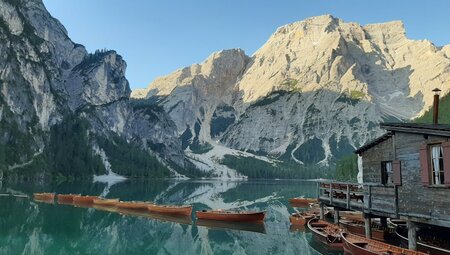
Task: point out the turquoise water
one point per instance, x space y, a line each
29 227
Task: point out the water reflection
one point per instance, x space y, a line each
27 227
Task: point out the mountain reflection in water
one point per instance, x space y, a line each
28 227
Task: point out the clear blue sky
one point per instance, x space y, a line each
158 37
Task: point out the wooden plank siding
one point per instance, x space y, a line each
428 204
412 199
372 159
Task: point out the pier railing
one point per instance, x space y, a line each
367 197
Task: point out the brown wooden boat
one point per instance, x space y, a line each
301 218
133 205
302 201
297 228
44 196
358 228
66 198
421 245
358 245
241 226
349 215
327 233
84 199
106 202
181 219
234 216
171 209
107 208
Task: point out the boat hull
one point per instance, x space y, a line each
106 202
65 198
84 199
181 219
300 219
423 247
231 216
302 201
178 210
44 196
133 205
317 227
359 229
357 245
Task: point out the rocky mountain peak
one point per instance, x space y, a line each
323 23
222 67
224 64
313 92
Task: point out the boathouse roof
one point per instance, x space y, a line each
415 128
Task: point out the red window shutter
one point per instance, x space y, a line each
446 150
396 167
424 165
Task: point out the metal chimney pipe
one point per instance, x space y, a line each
436 105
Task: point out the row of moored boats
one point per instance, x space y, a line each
349 235
182 210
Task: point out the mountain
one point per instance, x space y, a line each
315 91
64 111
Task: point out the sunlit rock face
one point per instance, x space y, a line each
313 92
44 76
191 95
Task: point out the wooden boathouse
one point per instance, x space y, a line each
406 175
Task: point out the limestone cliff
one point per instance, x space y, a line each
45 77
314 91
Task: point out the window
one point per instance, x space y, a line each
437 164
386 172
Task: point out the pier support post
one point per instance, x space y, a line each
367 226
412 235
321 211
336 216
383 221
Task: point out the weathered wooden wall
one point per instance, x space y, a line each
372 158
428 204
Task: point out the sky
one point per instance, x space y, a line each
157 37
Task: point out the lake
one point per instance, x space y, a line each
29 227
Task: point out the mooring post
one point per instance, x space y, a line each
321 211
383 221
336 216
367 226
318 191
412 235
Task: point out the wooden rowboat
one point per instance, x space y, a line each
421 245
84 199
171 209
181 219
66 198
44 196
106 208
106 202
326 233
133 205
349 215
358 245
302 201
234 216
301 218
357 228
